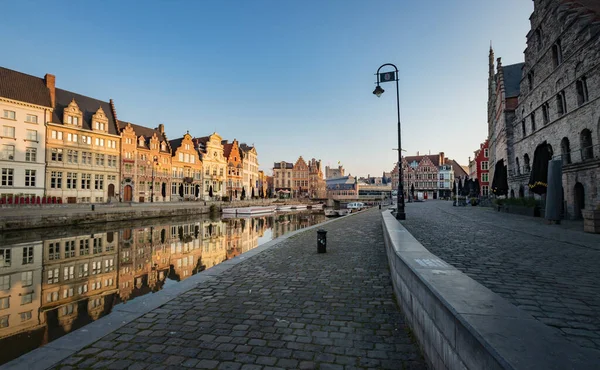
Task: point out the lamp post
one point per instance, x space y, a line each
387 77
154 164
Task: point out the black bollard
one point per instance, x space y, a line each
321 241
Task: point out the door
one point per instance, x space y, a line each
127 193
111 191
579 203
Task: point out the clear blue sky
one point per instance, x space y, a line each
293 77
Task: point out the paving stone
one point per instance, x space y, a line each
305 310
549 271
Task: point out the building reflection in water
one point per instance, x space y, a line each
49 288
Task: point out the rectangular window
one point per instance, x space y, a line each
56 155
545 114
485 190
99 182
99 159
5 282
86 179
26 298
8 131
582 91
30 154
53 277
4 321
7 177
72 156
32 135
71 180
29 177
68 273
26 278
8 152
561 103
70 248
83 270
25 316
72 138
484 177
30 118
9 114
4 303
56 180
27 255
97 245
532 121
86 158
484 165
5 257
486 152
54 251
84 247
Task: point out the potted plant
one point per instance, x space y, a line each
591 220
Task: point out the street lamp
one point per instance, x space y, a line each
154 164
387 77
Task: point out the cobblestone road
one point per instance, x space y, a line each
550 271
287 307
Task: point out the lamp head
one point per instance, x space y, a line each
378 91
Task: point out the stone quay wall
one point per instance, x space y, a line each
460 324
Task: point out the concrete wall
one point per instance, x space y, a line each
460 324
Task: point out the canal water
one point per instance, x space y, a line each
58 280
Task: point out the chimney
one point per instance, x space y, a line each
161 128
442 158
51 85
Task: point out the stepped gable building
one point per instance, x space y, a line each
250 174
300 179
503 98
186 169
145 163
559 106
420 171
83 149
210 149
25 107
479 168
235 169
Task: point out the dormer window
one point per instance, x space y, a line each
100 120
72 114
141 142
100 126
163 147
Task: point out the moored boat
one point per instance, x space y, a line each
343 212
249 210
330 212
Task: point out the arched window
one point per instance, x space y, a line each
587 150
582 91
518 166
526 160
557 53
561 103
565 150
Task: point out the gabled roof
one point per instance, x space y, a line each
227 149
25 88
458 170
245 147
512 79
277 165
88 106
175 143
146 132
434 158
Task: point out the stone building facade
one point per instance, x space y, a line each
235 170
145 164
83 149
250 173
316 186
282 178
25 107
300 179
560 99
186 169
334 173
214 162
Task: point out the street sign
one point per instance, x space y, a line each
387 76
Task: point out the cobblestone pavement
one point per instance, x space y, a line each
550 271
287 307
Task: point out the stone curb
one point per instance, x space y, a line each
461 324
54 352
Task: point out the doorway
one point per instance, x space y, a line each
579 201
111 191
127 193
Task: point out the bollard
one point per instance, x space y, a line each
93 207
321 241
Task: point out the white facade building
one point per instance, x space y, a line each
25 107
250 177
